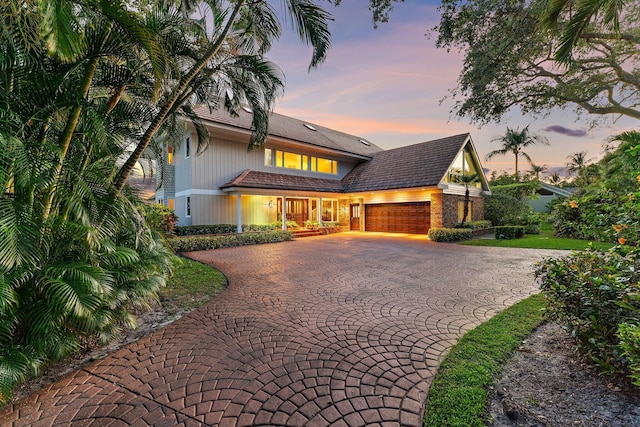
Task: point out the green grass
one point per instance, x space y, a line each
192 285
544 240
459 393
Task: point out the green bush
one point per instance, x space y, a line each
331 223
475 225
629 336
195 230
532 229
594 292
509 232
509 204
201 243
449 234
160 218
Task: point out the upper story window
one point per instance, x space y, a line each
170 155
187 148
288 160
464 166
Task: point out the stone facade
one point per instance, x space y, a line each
450 209
436 210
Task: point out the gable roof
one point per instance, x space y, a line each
418 165
412 166
295 130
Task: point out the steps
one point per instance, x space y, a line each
306 233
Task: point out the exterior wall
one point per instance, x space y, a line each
450 209
540 204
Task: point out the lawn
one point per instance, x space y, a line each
544 240
191 285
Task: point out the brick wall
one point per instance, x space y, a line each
450 209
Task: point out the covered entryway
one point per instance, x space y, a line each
414 217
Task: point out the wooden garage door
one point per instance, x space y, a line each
398 217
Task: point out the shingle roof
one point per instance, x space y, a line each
418 165
294 129
268 180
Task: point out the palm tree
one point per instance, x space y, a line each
514 141
466 180
577 163
581 14
555 178
537 169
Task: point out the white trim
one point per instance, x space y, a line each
200 192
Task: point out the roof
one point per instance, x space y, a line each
295 130
563 192
418 165
256 179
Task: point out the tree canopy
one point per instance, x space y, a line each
510 58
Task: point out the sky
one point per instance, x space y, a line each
390 85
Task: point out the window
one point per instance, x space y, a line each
169 155
321 165
188 207
329 210
268 157
160 202
461 211
187 148
463 165
287 160
171 204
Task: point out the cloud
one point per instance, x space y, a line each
565 131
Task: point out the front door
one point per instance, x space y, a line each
355 217
297 210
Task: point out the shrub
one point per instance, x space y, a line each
509 204
201 243
311 224
449 234
195 230
594 292
329 224
474 225
160 218
509 232
629 336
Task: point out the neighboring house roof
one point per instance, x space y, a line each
412 166
256 179
563 192
418 165
295 130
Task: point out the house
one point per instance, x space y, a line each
548 193
310 172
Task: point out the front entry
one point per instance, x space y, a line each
297 210
355 218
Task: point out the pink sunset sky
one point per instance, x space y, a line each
387 84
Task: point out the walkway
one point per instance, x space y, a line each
341 330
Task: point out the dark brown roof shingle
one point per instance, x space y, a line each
418 165
279 181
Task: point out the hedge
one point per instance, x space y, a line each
194 230
509 232
450 234
201 243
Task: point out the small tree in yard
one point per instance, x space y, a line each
466 180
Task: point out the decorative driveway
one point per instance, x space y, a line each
342 330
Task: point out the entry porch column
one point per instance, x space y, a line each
319 213
238 213
284 213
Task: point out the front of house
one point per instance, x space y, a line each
308 172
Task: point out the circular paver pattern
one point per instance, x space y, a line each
340 330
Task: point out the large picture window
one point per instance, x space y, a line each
288 160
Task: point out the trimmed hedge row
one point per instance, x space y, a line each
475 225
194 230
509 232
449 234
201 243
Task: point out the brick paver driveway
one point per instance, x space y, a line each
345 329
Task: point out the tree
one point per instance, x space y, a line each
538 169
466 180
555 178
515 141
577 163
509 60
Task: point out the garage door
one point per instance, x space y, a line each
398 217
